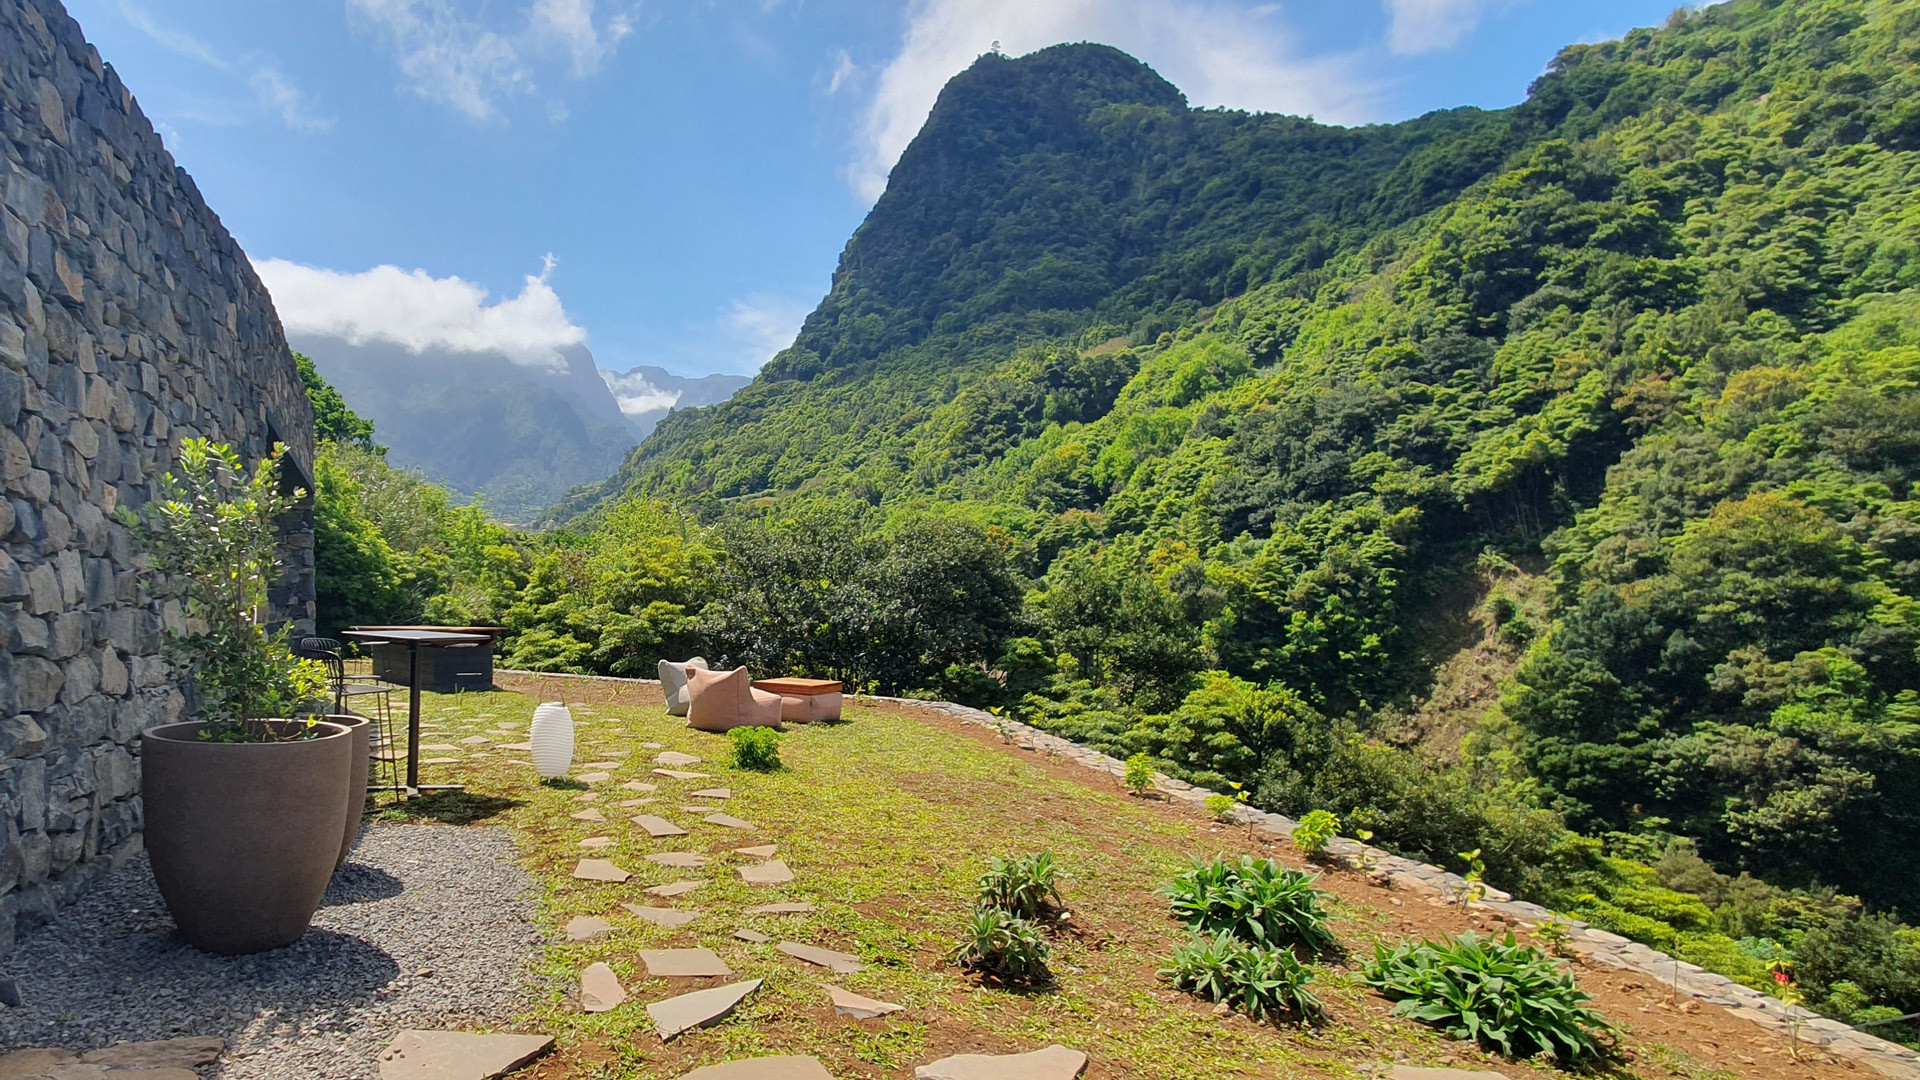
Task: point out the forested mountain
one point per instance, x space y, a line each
1607 405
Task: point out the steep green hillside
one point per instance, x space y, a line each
1259 407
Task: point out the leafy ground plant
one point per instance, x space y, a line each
1139 777
1314 832
1027 887
1254 900
1504 995
1003 947
1265 983
755 748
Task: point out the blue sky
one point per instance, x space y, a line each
671 181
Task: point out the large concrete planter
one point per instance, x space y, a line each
243 837
361 729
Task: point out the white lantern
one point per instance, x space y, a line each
552 739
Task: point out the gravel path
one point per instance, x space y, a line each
426 926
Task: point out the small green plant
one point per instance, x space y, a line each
1264 982
1314 832
1506 996
213 536
1475 885
1139 778
1027 887
755 748
1003 947
1221 807
1553 934
1253 900
1368 862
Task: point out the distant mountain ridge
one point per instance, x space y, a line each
517 435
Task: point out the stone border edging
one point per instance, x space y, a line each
1889 1059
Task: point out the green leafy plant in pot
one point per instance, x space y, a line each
245 806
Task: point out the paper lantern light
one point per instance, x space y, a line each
552 739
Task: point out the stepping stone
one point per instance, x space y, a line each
601 765
675 888
662 916
698 1009
675 757
594 778
188 1052
728 820
848 1003
763 851
784 1067
684 963
631 803
711 793
640 785
589 814
1053 1063
599 870
658 826
753 936
1409 1072
438 746
837 962
698 809
587 796
675 774
587 927
458 1055
526 746
678 858
652 745
439 761
477 740
600 989
618 753
771 872
594 843
39 1061
791 907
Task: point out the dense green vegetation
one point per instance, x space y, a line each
1198 434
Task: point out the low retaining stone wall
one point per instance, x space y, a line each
1596 945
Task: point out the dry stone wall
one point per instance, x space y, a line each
129 321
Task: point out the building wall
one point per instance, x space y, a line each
129 321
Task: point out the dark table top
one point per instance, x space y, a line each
408 636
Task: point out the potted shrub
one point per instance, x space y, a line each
245 806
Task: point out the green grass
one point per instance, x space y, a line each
887 822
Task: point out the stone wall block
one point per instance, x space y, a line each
129 321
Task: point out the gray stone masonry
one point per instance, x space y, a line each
129 321
1596 945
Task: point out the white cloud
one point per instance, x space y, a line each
416 310
279 94
1418 26
451 56
272 89
1218 53
843 69
763 324
635 394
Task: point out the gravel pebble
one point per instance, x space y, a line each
425 927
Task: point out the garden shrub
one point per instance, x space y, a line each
1003 947
1027 887
1264 982
1314 832
1139 778
1253 900
1507 996
755 748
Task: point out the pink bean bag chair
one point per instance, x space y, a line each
724 700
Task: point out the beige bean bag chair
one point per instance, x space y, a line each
724 700
673 683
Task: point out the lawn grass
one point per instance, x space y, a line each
886 820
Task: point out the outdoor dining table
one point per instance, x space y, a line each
414 638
